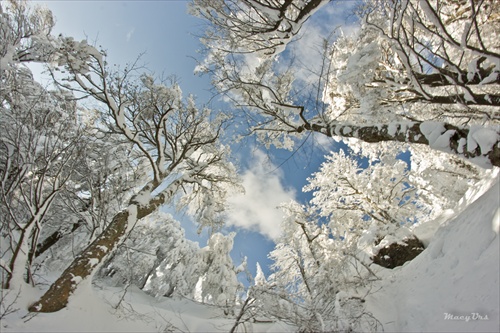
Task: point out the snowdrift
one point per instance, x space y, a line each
453 285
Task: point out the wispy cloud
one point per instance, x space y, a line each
334 19
129 34
257 209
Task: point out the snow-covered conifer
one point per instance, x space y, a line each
220 283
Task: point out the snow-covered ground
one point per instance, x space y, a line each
93 309
453 286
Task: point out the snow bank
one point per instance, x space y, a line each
453 286
95 308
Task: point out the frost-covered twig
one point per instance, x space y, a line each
7 306
245 308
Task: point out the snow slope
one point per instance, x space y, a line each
97 309
453 286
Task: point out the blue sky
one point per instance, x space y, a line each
166 34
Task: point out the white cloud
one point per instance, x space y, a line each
129 34
308 50
331 21
257 209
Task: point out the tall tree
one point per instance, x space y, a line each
312 268
385 74
41 140
165 143
178 141
220 284
41 146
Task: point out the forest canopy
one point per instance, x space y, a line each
88 161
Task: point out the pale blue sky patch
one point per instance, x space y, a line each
160 30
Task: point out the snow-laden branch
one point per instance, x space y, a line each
247 26
478 144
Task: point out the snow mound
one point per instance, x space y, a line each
453 285
100 308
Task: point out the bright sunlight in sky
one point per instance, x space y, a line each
166 39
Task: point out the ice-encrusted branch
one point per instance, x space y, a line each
477 144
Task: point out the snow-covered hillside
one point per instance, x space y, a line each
452 286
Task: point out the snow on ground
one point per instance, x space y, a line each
95 309
453 286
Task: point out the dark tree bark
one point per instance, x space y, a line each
87 261
48 242
448 138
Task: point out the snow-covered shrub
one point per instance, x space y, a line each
220 283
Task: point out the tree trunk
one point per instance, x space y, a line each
481 146
87 261
53 239
57 296
19 259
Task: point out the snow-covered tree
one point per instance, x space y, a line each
410 68
312 267
298 258
367 89
220 283
441 181
245 26
41 145
177 141
180 269
41 141
381 193
439 52
62 176
141 146
101 184
324 259
296 254
264 302
157 258
25 33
